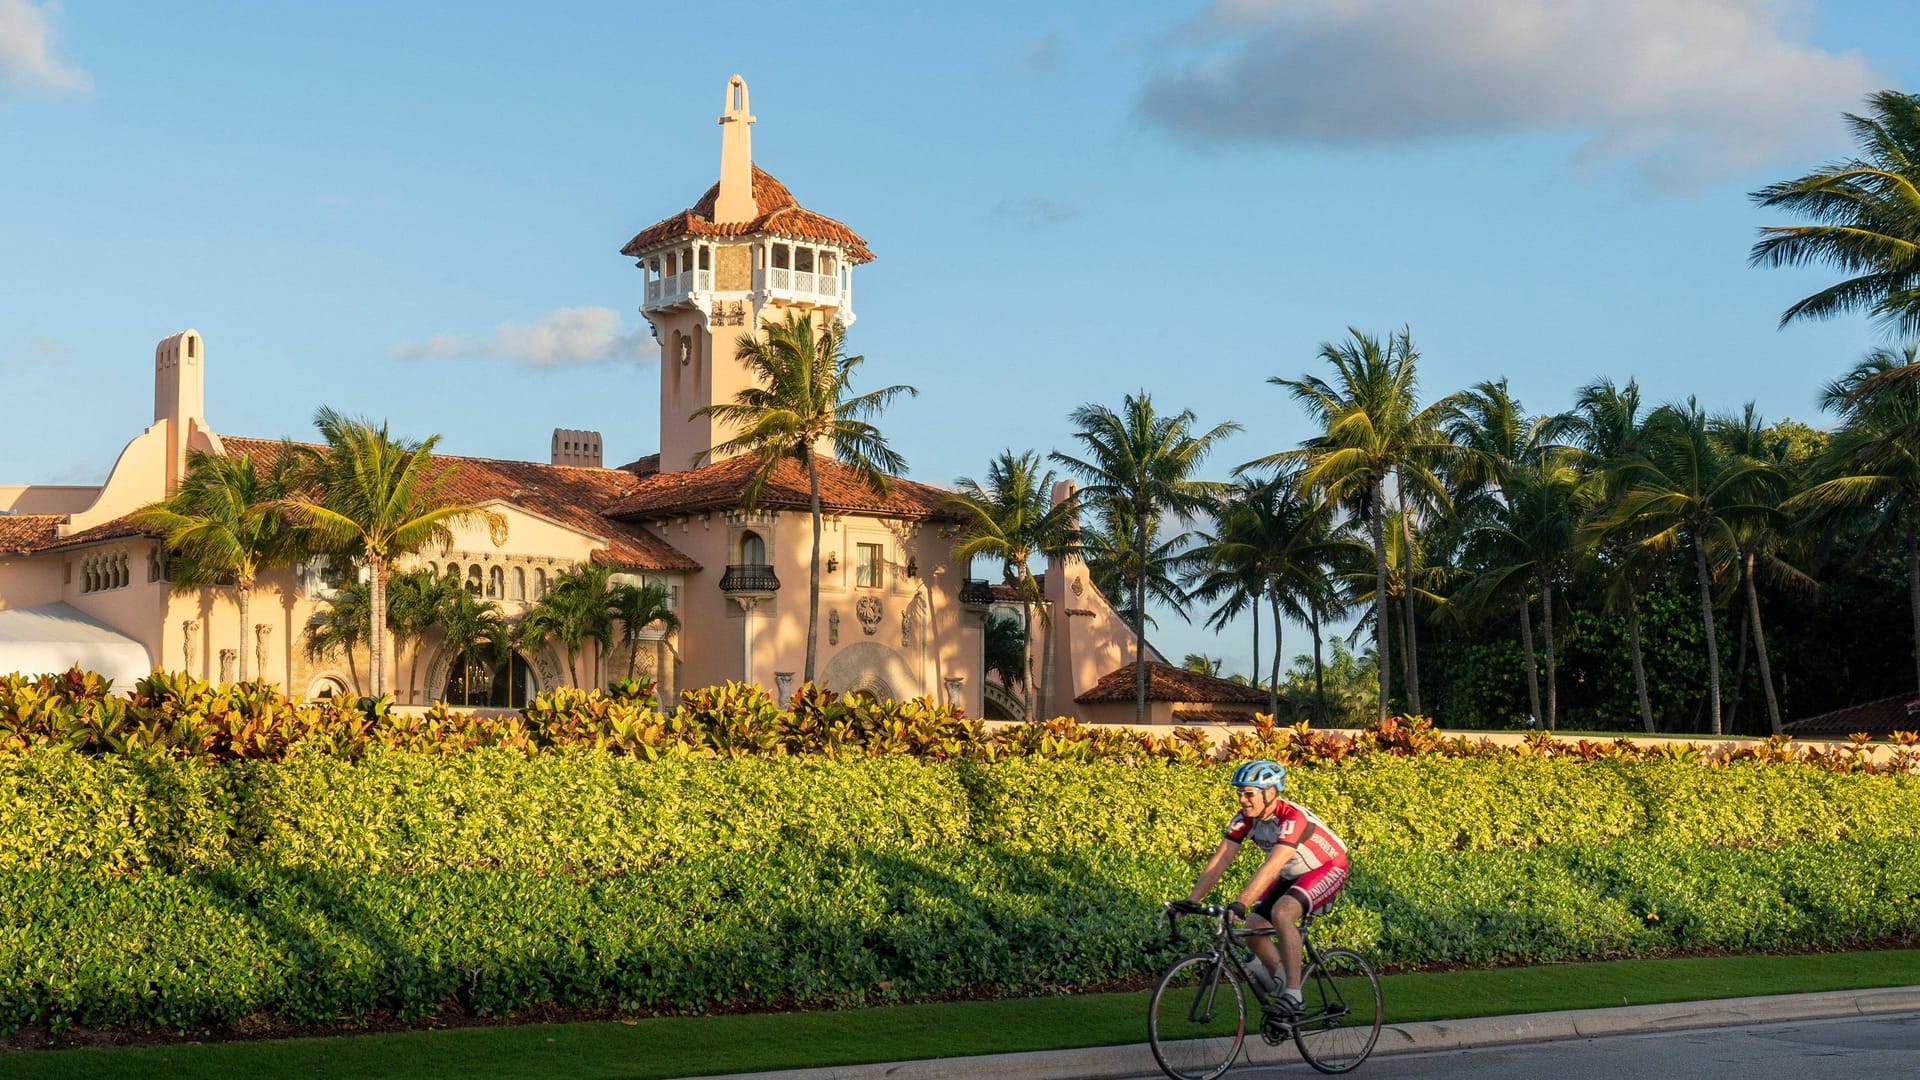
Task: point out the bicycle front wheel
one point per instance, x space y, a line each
1197 1019
1343 1010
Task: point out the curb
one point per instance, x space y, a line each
1115 1062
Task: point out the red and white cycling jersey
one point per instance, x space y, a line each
1314 845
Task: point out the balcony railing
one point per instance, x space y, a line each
976 593
800 283
753 577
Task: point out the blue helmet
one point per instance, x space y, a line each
1261 773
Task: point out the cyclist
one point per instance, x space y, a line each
1305 866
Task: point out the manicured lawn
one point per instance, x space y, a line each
681 1046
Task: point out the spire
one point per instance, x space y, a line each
735 202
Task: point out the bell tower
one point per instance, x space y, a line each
745 255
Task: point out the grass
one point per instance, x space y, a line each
683 1046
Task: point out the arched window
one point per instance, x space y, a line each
453 571
473 579
753 550
496 583
518 589
539 583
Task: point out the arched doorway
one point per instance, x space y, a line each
506 685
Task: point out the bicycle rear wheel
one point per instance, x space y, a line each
1197 1019
1343 1010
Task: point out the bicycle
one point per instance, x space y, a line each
1197 1016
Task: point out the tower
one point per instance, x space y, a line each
745 255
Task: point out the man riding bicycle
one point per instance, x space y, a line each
1304 868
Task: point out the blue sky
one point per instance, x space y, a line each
414 211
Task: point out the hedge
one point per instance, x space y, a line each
142 888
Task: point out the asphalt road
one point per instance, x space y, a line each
1857 1048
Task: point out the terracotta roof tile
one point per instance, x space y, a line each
118 529
1881 718
573 495
21 533
721 485
780 213
1004 593
1168 683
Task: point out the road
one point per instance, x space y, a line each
1866 1048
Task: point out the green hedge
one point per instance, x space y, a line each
145 889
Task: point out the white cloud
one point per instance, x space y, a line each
569 336
27 63
1680 89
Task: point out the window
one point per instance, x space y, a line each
866 567
473 580
753 550
539 583
518 590
496 583
322 576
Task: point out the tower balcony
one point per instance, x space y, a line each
672 290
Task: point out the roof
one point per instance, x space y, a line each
1004 593
779 212
21 533
722 484
1168 683
573 495
1881 718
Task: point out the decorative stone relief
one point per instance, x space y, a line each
868 609
954 683
189 637
227 660
784 680
261 632
906 627
1079 585
833 627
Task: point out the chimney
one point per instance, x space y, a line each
573 447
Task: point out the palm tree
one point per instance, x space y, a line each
1872 466
476 638
379 499
1604 429
1140 466
638 607
224 529
341 627
803 404
1685 487
1867 221
1012 518
1764 544
577 608
1373 427
417 603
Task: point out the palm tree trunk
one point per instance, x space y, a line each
1140 617
1412 634
573 671
413 671
1319 669
1760 648
813 577
1273 684
1256 641
1406 655
244 599
1026 646
1913 592
1639 664
1526 650
1739 687
1713 640
377 614
1553 680
1044 699
1381 647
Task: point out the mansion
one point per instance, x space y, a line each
899 617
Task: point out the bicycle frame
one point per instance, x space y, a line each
1225 953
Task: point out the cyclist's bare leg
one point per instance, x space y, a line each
1263 946
1286 935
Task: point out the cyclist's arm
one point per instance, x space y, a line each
1268 873
1210 874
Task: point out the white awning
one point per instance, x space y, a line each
51 638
